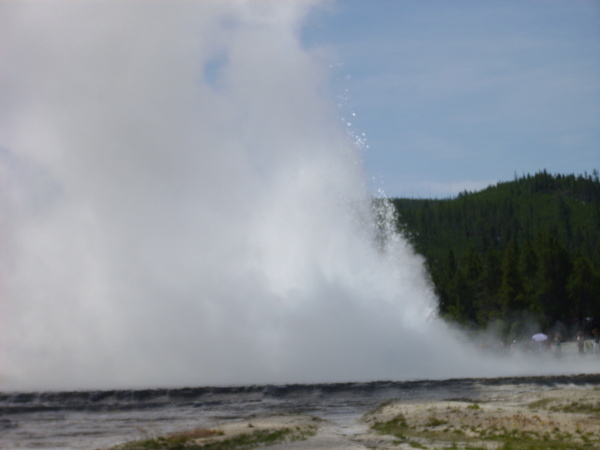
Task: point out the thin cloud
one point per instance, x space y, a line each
491 79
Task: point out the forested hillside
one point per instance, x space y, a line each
520 250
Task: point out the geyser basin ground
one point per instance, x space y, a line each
344 413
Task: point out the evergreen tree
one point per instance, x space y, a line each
491 280
583 290
444 280
511 289
551 297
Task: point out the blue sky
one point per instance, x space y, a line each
458 95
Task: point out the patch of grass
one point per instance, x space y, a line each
435 422
395 427
578 408
188 440
527 440
454 427
194 433
502 437
540 404
250 440
542 445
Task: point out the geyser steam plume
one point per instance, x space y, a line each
180 206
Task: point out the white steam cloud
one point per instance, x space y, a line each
180 206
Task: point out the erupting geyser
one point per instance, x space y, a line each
180 206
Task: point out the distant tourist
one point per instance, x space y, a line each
596 334
557 343
581 342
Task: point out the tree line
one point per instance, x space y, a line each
519 251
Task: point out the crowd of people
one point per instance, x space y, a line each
543 343
584 343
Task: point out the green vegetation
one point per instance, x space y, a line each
589 407
581 408
395 427
520 251
515 436
540 404
193 441
435 422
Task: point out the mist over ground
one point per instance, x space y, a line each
180 205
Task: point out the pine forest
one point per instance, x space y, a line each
520 252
